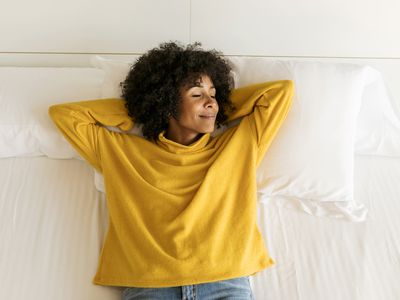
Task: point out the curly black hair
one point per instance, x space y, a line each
151 89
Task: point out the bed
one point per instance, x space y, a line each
53 210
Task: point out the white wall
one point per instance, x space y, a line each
323 28
333 28
91 26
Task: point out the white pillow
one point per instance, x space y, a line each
378 128
316 177
25 95
310 164
115 72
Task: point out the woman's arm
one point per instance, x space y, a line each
266 106
80 122
264 94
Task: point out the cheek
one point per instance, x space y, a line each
188 114
193 111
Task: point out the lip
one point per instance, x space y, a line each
208 116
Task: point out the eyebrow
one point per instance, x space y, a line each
198 84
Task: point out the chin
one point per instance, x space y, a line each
209 130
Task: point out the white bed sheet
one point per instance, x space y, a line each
333 259
53 222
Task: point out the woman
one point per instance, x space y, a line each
182 204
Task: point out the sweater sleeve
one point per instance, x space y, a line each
81 121
265 106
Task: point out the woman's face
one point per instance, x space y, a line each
197 110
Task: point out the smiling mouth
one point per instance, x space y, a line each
208 117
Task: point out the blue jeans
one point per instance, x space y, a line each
230 289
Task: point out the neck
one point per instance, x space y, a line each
182 138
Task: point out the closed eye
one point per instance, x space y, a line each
200 96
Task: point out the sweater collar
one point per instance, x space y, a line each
175 147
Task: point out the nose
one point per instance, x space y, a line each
211 102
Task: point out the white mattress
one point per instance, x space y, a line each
53 221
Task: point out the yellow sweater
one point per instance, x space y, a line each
178 215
